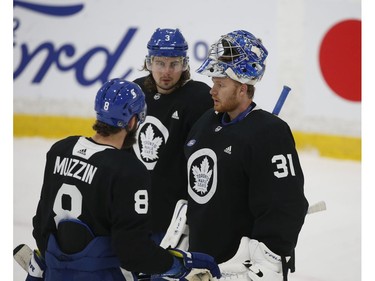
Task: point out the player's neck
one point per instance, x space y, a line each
162 91
115 140
242 107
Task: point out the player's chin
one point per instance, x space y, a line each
218 107
167 86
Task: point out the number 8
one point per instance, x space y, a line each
141 201
106 105
75 203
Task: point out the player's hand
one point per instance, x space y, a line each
192 266
264 265
36 267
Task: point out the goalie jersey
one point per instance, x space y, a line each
107 190
160 144
244 179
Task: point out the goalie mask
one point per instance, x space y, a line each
117 101
238 55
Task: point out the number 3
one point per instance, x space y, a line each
282 165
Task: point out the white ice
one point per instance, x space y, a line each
329 246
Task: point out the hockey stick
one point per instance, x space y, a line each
22 255
281 100
317 207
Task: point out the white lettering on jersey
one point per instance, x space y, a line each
202 175
152 135
75 168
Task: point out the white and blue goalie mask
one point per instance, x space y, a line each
238 55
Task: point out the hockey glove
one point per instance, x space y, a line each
264 265
36 267
192 266
235 268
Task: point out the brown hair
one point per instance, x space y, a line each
104 129
250 91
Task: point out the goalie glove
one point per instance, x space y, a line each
255 262
264 265
234 268
178 231
192 266
36 267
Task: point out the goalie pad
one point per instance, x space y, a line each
178 231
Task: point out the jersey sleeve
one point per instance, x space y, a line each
43 225
276 189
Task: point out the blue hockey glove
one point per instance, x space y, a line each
192 266
36 267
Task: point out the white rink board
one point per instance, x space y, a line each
107 38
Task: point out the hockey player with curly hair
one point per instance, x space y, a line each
92 218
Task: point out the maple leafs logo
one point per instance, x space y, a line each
150 145
202 176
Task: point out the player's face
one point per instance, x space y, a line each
166 72
225 93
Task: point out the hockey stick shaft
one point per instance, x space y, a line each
22 255
317 207
281 100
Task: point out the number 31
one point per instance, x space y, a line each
282 163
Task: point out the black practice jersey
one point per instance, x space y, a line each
160 144
107 189
245 179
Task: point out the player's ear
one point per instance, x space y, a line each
244 88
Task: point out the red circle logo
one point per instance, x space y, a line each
340 59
